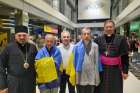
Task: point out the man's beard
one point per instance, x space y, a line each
22 42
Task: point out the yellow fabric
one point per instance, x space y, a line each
61 67
46 70
70 70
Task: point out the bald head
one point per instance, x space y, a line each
49 40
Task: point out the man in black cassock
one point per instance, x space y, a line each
114 58
17 72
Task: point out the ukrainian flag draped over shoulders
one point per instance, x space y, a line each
75 62
47 67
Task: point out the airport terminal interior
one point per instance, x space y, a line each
55 16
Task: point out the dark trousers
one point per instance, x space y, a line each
21 84
85 88
64 80
111 80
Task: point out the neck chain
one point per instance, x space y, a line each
107 51
26 64
25 59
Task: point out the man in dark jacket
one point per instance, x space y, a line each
113 51
17 73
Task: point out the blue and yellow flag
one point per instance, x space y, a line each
75 62
46 70
48 65
70 70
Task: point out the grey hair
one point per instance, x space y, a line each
65 32
49 36
86 28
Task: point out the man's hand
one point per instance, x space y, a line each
125 76
4 90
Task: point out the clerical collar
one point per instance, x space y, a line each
109 39
109 35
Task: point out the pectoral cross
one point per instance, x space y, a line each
106 53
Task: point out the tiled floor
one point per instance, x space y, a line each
131 85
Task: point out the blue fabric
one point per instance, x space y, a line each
55 53
79 53
100 67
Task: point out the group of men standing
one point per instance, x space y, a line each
98 66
